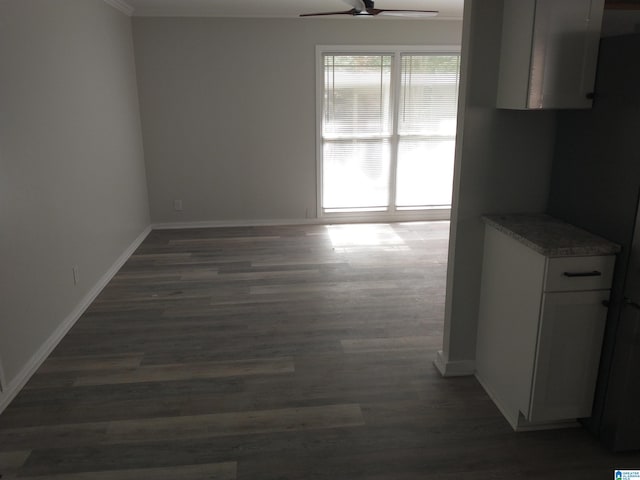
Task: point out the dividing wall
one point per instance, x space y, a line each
229 109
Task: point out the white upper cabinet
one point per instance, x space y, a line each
549 53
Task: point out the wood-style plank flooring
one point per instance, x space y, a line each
275 353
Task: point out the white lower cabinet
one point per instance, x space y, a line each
540 331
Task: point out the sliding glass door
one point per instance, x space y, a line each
387 130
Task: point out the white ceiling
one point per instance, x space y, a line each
449 9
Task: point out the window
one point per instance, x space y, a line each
387 129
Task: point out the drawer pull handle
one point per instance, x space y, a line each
595 273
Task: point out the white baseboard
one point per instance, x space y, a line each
234 223
15 385
458 368
326 220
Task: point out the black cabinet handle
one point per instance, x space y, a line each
595 273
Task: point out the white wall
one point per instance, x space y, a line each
72 179
503 164
228 109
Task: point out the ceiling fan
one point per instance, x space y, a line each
366 8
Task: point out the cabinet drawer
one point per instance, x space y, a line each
579 273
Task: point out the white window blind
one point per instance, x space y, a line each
426 130
356 131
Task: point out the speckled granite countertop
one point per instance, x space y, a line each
551 237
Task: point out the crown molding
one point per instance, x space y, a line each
121 5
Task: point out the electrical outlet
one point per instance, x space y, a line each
76 274
177 205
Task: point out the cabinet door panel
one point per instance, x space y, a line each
565 50
569 344
549 53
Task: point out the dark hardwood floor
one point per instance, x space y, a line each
275 353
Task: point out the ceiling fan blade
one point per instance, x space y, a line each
367 8
353 11
403 13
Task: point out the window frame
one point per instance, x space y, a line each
396 52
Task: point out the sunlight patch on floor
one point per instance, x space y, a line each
351 237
